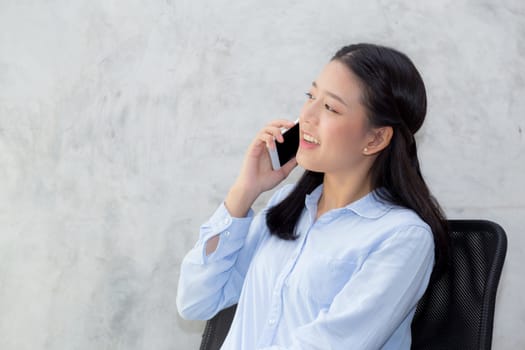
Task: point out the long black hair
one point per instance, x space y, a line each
394 95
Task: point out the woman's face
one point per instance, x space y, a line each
334 128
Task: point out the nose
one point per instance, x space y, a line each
310 111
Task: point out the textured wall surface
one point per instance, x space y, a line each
123 123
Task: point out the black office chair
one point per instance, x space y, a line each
457 311
217 328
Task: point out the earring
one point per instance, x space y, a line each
365 149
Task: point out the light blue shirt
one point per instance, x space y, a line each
351 280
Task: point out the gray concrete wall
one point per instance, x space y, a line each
123 124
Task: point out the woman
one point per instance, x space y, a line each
340 260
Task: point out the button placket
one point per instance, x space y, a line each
276 306
282 280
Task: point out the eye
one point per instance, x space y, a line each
327 106
309 95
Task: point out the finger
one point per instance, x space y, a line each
275 132
268 139
282 123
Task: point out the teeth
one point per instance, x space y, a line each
311 139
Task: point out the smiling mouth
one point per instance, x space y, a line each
311 139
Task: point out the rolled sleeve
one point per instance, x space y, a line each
207 284
232 233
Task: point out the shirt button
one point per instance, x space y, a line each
226 221
271 321
227 233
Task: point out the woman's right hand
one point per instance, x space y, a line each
257 175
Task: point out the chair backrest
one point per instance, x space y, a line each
457 311
217 328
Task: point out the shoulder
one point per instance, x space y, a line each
385 221
384 216
281 194
400 216
405 224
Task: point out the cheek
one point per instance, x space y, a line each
346 137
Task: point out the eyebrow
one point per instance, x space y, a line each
314 84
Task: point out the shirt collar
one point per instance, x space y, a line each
371 206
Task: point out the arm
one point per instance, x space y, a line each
212 273
376 300
209 283
256 175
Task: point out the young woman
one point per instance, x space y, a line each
339 260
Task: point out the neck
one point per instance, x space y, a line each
339 191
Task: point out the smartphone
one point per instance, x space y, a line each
286 150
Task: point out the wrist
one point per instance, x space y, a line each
239 200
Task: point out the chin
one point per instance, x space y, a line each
308 164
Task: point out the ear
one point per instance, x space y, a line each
378 140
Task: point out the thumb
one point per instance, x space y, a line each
289 166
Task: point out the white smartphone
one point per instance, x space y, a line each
286 150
